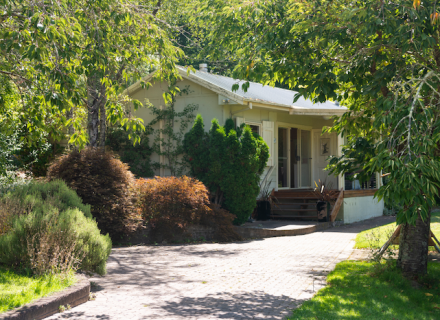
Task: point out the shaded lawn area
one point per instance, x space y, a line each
357 291
376 237
17 289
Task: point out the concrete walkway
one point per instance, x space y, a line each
258 279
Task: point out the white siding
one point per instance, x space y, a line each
360 208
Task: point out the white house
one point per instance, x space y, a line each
293 131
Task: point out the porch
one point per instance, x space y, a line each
300 205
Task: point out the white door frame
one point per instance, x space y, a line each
289 126
337 143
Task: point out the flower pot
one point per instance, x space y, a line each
322 208
263 210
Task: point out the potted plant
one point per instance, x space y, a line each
263 202
326 196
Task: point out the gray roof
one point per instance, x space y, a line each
265 94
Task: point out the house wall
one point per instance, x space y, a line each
280 119
206 100
360 208
211 105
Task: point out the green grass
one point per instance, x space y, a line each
17 289
357 291
376 237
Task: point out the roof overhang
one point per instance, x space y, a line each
316 112
292 109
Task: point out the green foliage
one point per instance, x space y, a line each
137 155
53 241
229 164
19 289
71 60
357 152
42 197
105 183
168 142
51 230
356 290
197 151
379 59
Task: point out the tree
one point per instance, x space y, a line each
71 59
380 59
229 162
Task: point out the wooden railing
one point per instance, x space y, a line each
337 205
359 193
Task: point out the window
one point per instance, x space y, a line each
255 127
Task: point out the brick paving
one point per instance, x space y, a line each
257 279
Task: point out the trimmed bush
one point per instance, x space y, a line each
229 162
171 204
47 231
105 183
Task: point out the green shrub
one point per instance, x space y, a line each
53 242
105 183
137 156
229 162
42 197
48 229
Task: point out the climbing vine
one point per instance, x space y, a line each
168 139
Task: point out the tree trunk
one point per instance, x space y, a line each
102 117
96 98
413 248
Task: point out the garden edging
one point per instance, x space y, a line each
47 306
248 233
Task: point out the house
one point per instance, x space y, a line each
293 132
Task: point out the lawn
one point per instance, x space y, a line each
357 290
17 289
376 237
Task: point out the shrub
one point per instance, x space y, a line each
103 182
221 221
42 197
171 204
47 228
54 242
137 156
229 162
8 210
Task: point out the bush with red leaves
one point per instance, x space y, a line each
105 183
171 204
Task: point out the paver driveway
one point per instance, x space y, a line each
259 279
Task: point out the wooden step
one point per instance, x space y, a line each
293 217
293 209
286 196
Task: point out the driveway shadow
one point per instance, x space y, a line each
255 305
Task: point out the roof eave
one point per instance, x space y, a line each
137 85
211 86
317 112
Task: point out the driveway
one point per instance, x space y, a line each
258 279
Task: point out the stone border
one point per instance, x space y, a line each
268 233
47 306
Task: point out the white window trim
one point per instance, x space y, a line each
257 124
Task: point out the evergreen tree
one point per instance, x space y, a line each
229 162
